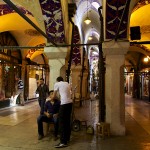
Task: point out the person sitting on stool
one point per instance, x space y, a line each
51 110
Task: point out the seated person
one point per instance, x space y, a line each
51 110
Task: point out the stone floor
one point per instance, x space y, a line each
18 129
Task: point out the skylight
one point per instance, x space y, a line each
96 5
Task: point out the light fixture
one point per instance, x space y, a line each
146 2
87 19
90 38
146 59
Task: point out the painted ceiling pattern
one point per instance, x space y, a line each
31 51
6 9
140 4
76 56
52 14
114 12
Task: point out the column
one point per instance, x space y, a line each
55 66
76 78
23 79
114 86
85 85
56 56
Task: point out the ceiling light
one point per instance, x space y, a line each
90 38
87 19
146 59
96 5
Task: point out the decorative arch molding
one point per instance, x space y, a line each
32 51
140 4
7 39
130 60
139 48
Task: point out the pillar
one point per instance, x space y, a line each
85 85
76 78
114 53
56 56
23 78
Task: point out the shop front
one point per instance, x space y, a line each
35 73
9 68
141 89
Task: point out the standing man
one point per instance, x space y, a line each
65 110
20 87
43 92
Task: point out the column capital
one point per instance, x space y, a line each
55 52
115 47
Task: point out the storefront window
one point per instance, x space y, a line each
7 83
35 73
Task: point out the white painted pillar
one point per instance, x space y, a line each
114 86
55 66
56 56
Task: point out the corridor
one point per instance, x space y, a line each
18 129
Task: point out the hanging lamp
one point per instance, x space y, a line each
87 19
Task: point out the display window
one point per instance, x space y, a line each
8 72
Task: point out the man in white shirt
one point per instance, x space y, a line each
65 110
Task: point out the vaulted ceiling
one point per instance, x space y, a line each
26 35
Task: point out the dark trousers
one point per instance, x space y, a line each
65 122
43 118
42 104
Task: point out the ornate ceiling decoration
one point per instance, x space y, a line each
32 32
31 51
76 56
114 12
145 29
141 3
5 9
53 19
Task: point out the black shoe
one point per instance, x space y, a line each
40 137
60 145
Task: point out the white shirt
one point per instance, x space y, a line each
20 84
64 91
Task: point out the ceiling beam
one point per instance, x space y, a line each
28 20
140 42
41 47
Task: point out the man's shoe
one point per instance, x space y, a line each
40 137
60 145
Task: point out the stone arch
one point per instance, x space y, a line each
7 39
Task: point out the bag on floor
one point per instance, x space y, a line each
90 130
76 125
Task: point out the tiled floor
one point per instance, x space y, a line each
18 129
